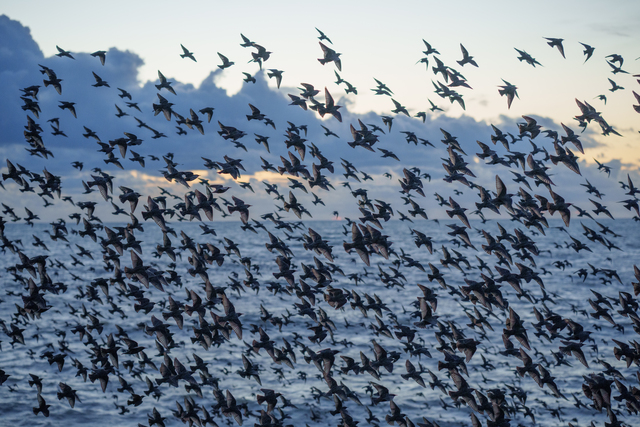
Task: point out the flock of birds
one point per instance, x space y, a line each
133 285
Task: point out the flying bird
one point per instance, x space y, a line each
277 74
62 52
524 56
399 108
101 54
553 42
614 86
225 62
466 58
509 90
330 55
99 82
588 51
322 36
186 54
164 83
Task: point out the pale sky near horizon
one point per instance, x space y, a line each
376 41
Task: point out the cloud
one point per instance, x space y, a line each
18 47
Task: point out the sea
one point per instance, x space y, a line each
348 330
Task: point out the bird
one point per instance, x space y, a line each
225 62
186 54
555 42
99 82
164 83
330 55
100 54
66 105
124 94
322 36
248 78
466 58
509 90
614 86
524 56
42 407
588 51
434 107
63 53
68 393
399 108
277 74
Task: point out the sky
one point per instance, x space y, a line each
143 38
374 42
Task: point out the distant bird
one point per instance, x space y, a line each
277 74
225 62
615 58
241 207
322 36
328 132
330 55
382 88
261 55
616 69
524 56
120 113
164 83
133 105
99 81
434 107
101 54
330 107
399 108
509 90
42 407
553 42
208 111
430 50
614 86
124 94
246 42
387 121
62 52
186 54
248 78
466 58
68 393
588 51
65 105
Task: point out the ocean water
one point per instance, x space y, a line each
352 333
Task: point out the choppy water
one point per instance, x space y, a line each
566 295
